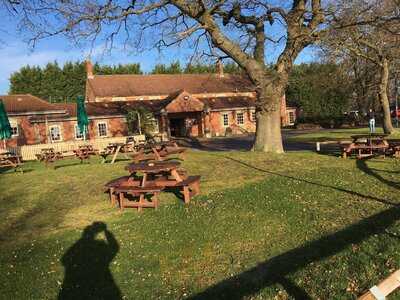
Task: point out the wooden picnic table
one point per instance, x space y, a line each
49 155
158 151
155 177
366 145
394 147
84 152
8 159
112 149
156 173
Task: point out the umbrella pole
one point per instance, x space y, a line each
4 144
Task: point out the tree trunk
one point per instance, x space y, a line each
383 97
268 133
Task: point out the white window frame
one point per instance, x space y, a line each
223 119
98 129
76 133
59 131
237 118
14 125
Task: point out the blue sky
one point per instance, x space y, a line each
15 53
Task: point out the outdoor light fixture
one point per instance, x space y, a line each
207 109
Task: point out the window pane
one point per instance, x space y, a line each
253 115
102 127
14 130
240 118
55 134
78 133
225 119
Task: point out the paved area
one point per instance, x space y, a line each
244 143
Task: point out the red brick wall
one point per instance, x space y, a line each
216 122
35 133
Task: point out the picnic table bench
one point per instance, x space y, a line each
8 159
366 145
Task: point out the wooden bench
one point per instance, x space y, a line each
9 160
190 187
370 150
141 193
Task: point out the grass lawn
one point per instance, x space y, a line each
298 225
336 134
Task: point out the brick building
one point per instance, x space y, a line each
198 105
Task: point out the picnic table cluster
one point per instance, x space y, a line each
367 145
149 175
50 155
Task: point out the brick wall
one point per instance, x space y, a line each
35 133
219 129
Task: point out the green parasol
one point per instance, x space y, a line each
5 127
81 115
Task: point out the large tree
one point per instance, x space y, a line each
246 31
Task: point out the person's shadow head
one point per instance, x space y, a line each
86 264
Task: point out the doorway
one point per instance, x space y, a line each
177 127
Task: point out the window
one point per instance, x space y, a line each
55 133
240 118
225 120
14 129
253 116
102 129
78 133
291 117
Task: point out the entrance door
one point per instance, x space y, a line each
177 127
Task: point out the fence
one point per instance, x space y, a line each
28 152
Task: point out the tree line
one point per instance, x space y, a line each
57 83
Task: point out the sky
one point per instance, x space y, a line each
16 52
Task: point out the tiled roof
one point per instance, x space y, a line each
15 104
228 102
165 84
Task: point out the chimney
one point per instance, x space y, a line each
220 68
89 70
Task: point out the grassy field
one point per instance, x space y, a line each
298 225
335 134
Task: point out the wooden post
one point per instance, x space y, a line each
384 288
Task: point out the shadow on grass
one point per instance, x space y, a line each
363 166
86 263
277 269
383 201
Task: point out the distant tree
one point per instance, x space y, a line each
321 91
57 84
172 68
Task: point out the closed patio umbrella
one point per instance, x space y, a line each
5 127
82 117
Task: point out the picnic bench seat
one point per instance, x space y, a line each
190 187
141 193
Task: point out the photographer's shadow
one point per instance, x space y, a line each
86 263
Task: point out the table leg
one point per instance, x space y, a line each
176 175
144 179
116 154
